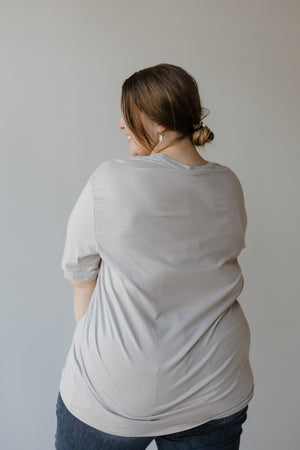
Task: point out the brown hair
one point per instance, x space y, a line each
168 95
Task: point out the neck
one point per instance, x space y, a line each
183 151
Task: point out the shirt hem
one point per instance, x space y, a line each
127 430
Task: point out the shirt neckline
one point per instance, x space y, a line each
172 161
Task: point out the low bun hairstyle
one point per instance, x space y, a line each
202 136
168 95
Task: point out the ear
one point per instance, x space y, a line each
160 129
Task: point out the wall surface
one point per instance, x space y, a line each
62 66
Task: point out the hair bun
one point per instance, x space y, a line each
202 135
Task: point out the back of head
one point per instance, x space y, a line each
168 95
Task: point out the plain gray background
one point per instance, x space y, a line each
62 67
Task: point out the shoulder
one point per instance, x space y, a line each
103 167
119 168
230 173
109 174
113 164
229 182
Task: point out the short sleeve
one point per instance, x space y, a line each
81 259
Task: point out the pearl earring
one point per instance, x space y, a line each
160 137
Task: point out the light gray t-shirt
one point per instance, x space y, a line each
164 344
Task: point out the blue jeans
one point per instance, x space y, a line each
219 434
